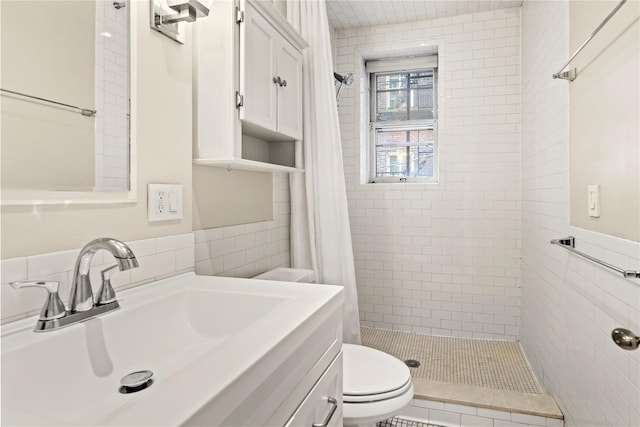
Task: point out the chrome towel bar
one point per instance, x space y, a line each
571 74
84 111
569 244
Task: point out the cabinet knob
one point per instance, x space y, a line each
284 83
277 80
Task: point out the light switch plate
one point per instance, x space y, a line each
593 201
164 202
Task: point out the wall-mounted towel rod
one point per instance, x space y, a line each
571 74
84 111
569 243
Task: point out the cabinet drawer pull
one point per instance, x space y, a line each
334 406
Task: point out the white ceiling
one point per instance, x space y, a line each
364 13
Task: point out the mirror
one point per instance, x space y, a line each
603 117
65 97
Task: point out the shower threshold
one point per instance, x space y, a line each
488 374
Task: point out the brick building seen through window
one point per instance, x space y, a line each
403 124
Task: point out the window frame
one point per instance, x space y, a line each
401 125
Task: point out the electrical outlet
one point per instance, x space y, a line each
164 202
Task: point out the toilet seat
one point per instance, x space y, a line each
349 398
371 375
376 386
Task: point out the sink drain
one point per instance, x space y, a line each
136 381
412 363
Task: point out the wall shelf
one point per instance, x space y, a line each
248 165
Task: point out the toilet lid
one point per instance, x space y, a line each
371 372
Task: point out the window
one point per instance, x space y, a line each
403 124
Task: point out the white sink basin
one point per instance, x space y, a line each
197 334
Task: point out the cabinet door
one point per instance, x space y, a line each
289 93
323 404
258 69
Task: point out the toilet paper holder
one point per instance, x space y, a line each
625 339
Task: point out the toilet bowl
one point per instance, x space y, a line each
376 386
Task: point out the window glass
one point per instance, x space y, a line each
404 128
392 106
391 81
405 153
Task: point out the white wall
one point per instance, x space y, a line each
443 259
569 305
245 250
222 198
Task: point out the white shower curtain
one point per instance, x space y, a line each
320 231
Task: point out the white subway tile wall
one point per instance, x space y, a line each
239 251
570 305
249 249
443 259
158 258
454 415
111 96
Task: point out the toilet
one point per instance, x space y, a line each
376 386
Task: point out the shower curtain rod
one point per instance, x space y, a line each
569 244
571 74
84 111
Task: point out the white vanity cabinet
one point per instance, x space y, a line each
293 385
223 351
323 405
247 88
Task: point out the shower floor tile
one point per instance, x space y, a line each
500 365
480 373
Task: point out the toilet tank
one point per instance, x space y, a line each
284 274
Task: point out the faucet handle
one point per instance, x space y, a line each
106 294
53 307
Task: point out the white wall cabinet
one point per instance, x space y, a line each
270 77
247 88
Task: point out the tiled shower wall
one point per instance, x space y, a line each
248 249
443 259
569 305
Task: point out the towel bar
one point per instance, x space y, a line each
569 244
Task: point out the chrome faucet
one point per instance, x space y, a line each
55 315
81 296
